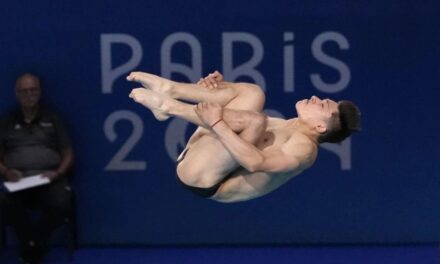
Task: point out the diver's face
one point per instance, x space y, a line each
316 111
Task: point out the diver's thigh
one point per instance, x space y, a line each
206 161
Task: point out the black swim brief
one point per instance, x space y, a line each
202 192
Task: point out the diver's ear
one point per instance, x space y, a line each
321 128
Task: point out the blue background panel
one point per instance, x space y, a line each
383 190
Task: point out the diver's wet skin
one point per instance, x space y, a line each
154 82
231 158
153 101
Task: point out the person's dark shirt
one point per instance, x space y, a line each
32 147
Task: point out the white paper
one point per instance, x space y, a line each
26 182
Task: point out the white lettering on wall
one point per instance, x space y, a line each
232 73
338 65
175 133
119 162
289 63
109 73
342 150
168 67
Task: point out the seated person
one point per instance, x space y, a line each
34 141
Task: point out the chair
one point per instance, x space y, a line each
70 226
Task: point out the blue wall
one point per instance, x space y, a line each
379 187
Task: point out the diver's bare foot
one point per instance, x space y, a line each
153 101
154 82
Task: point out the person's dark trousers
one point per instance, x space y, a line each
35 213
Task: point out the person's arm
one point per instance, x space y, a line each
246 154
250 157
65 149
8 174
67 159
3 168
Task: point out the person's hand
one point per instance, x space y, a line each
51 175
211 81
13 175
209 113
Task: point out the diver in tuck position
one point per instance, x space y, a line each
238 153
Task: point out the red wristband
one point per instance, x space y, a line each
216 122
